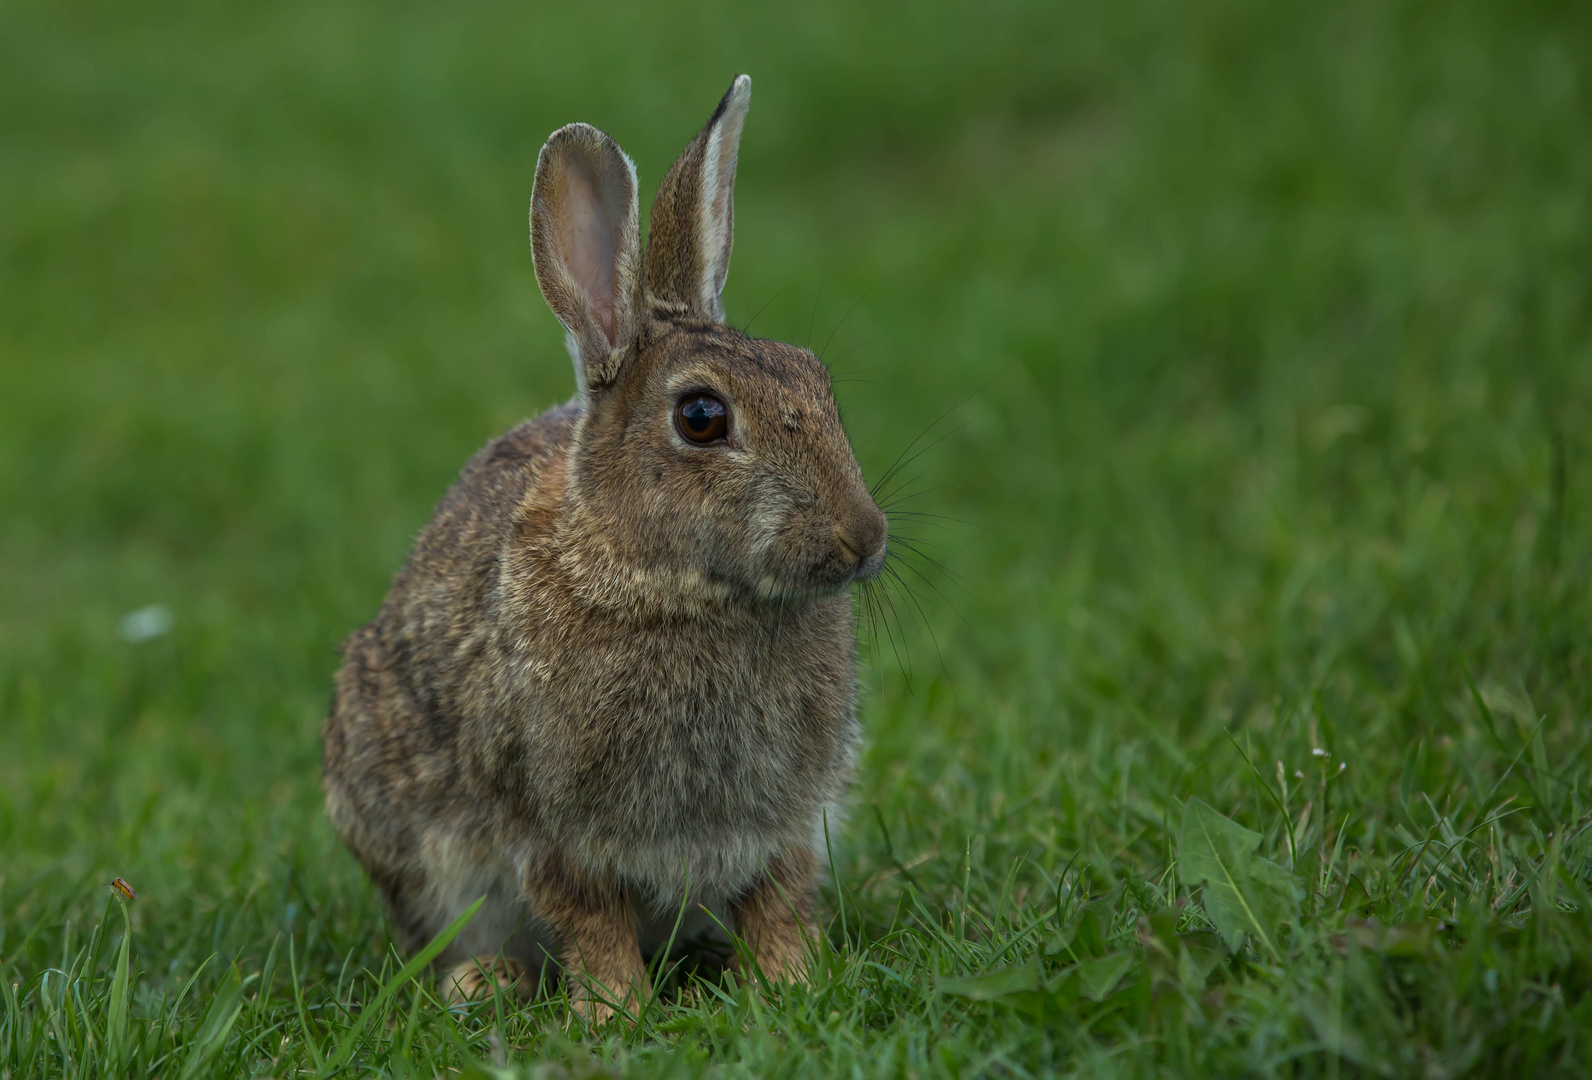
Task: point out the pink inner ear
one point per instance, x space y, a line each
589 239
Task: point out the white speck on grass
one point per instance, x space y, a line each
145 623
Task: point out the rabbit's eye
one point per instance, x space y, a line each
702 418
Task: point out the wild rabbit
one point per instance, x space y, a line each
616 675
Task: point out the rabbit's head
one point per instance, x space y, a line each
707 462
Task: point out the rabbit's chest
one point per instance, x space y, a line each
706 752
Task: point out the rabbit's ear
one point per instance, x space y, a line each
586 242
693 217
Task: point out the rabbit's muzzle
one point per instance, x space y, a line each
852 550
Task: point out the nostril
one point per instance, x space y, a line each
847 548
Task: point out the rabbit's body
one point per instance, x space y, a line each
616 675
643 755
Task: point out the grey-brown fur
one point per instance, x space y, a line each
618 666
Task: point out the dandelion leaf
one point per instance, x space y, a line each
1244 893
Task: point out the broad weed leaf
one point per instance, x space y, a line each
1354 898
993 984
1089 932
1244 893
1097 978
1198 954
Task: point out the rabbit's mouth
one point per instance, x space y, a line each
865 566
829 574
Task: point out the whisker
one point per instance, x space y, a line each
957 579
839 324
916 547
860 345
915 543
900 497
903 492
932 520
865 595
891 471
871 611
905 668
921 541
875 613
937 590
747 329
908 562
913 596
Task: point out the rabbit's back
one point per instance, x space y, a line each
405 741
440 610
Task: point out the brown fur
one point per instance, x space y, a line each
775 916
598 935
616 675
480 977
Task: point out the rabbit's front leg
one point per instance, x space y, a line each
596 928
775 917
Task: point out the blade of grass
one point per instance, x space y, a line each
345 1049
303 1016
217 1024
121 989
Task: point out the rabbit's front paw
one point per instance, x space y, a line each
775 920
480 977
594 1002
782 957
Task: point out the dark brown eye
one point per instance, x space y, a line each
702 418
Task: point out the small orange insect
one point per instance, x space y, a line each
121 886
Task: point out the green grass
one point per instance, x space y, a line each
1261 338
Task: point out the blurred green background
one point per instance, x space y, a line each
1259 335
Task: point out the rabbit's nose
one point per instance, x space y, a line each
861 539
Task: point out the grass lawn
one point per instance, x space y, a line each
1234 715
